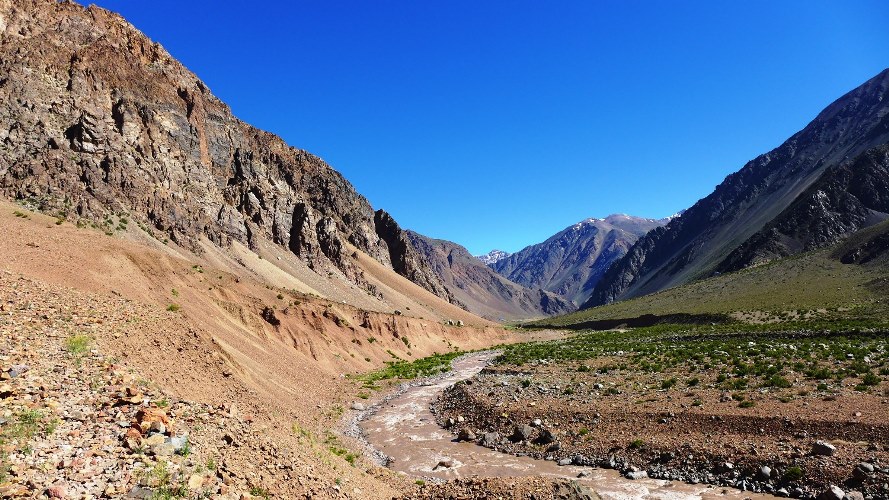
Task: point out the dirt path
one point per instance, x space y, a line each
404 429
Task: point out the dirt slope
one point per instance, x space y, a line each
209 330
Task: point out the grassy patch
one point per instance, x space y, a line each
407 370
78 345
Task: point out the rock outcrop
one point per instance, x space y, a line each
845 199
406 261
96 119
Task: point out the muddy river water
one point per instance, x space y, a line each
404 429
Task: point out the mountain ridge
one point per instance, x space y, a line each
483 291
98 120
694 245
570 262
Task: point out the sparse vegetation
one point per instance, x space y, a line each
404 370
78 345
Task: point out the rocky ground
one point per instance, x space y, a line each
76 423
789 442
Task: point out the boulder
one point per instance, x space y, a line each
545 436
522 433
765 472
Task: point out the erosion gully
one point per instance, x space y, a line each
404 429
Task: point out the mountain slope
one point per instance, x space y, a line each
572 261
97 120
846 281
482 290
695 244
845 199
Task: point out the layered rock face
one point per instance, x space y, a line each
96 118
571 262
705 239
483 291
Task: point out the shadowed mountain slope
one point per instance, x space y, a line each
696 244
572 261
482 290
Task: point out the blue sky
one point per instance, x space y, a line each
499 123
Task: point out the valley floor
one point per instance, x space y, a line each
790 416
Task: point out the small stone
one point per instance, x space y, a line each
565 461
163 450
866 467
823 448
536 422
358 406
522 433
179 443
466 434
16 370
545 436
832 493
57 491
460 419
158 427
765 472
490 439
195 482
446 463
639 474
153 440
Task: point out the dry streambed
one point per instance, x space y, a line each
404 429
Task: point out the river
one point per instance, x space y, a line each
404 429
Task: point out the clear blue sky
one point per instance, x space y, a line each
498 123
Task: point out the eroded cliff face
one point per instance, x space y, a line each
96 118
406 261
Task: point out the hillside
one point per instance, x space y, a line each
746 202
483 291
571 262
98 121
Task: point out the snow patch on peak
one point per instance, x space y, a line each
493 257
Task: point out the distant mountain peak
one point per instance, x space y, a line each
493 257
570 262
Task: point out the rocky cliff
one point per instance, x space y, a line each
572 261
698 243
483 291
96 119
